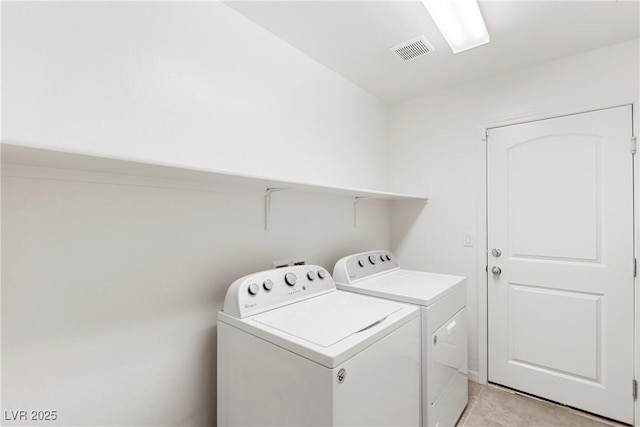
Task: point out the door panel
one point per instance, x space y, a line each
532 334
560 209
533 168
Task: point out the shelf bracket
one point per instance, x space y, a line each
355 210
267 206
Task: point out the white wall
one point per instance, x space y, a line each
190 83
110 291
435 144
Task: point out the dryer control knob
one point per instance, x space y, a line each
290 279
321 274
372 259
253 288
311 275
361 263
382 258
388 257
267 285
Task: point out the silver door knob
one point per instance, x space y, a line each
496 270
496 252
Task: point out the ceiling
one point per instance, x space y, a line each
353 38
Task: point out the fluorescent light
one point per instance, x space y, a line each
460 22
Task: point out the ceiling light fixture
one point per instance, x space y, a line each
460 22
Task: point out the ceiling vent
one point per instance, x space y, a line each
413 48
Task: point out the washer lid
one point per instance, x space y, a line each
414 287
326 320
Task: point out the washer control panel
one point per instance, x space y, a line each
265 290
358 266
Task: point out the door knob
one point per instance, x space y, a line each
496 270
496 252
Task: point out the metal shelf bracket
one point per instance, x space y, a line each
355 211
267 206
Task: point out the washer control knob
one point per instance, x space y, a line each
321 274
253 288
372 259
311 275
388 257
382 258
361 263
290 279
267 285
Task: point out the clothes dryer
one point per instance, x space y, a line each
442 301
294 350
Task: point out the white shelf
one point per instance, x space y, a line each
37 157
61 164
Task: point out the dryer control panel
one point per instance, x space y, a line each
266 290
354 267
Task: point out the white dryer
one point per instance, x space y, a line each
294 350
442 300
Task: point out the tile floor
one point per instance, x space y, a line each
491 406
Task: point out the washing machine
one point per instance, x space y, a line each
294 350
442 301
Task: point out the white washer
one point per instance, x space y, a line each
294 350
442 300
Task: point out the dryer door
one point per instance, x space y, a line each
449 353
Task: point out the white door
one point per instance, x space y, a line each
560 209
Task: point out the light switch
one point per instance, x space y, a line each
467 239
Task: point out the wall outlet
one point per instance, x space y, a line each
288 262
280 263
467 239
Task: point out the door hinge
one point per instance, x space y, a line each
635 390
634 145
635 267
486 133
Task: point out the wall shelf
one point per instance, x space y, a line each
175 175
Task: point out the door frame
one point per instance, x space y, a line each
481 248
